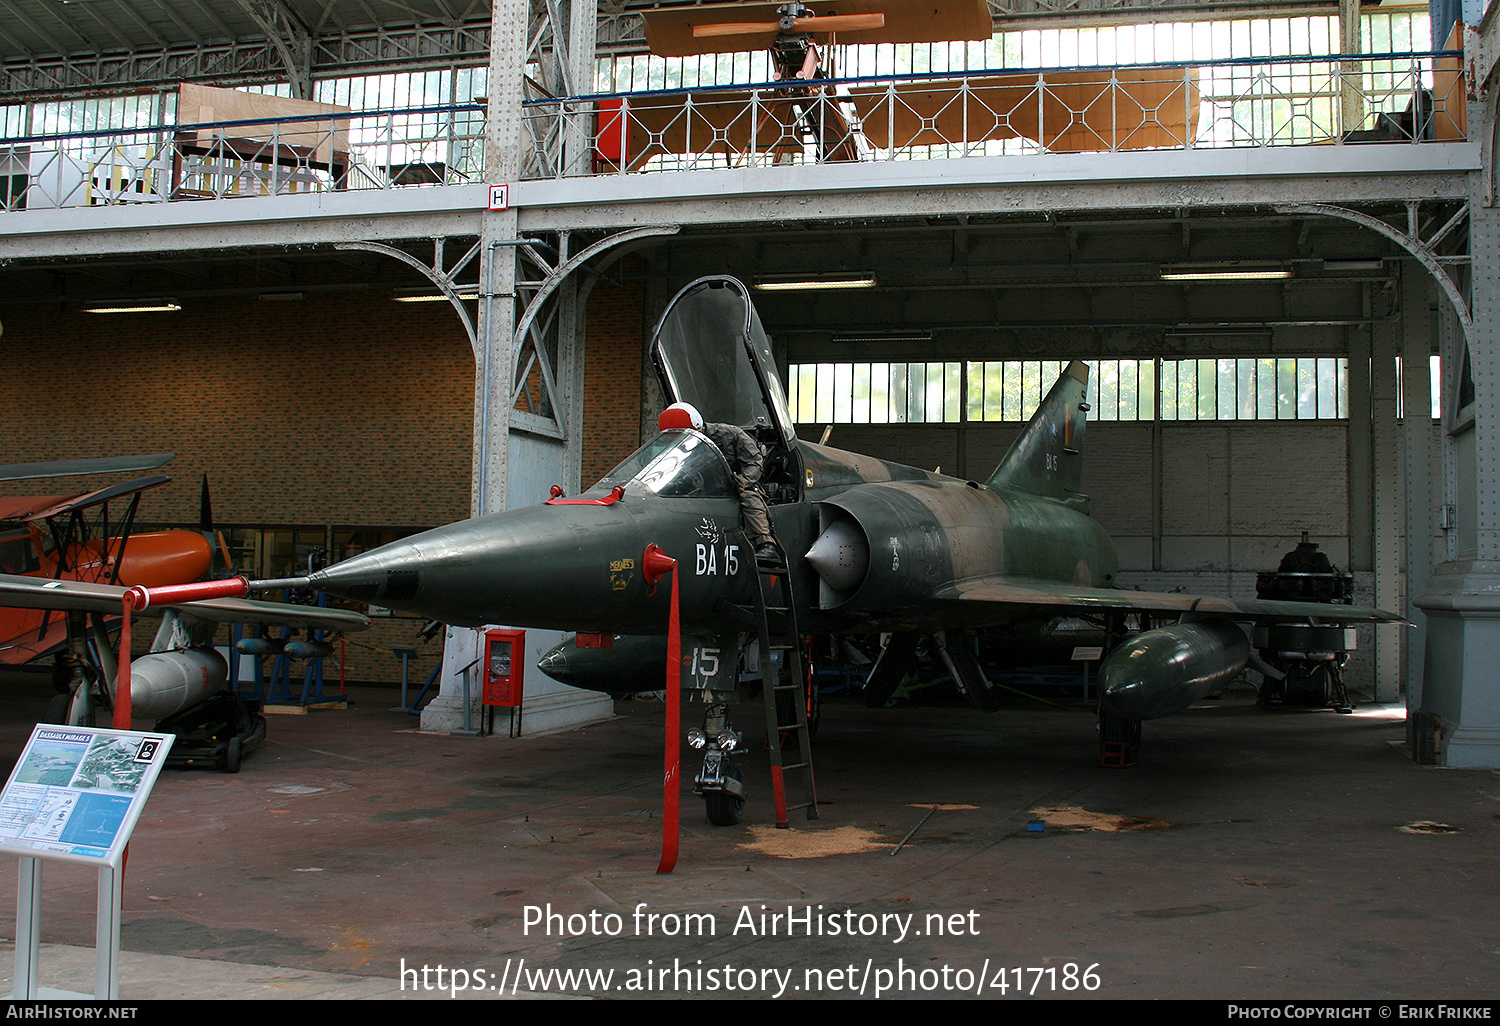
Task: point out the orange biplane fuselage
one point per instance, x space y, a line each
151 559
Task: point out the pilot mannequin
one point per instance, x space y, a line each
748 464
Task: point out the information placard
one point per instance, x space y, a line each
77 792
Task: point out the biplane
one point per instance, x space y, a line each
85 536
1073 110
66 562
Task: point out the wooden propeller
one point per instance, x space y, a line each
826 23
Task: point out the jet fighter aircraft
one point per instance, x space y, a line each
871 546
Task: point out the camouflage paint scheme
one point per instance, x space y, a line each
873 546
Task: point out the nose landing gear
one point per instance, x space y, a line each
719 782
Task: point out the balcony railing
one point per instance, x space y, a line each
1407 98
1295 101
263 157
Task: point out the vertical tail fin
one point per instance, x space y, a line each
1047 458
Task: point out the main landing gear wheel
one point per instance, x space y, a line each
723 808
57 709
60 709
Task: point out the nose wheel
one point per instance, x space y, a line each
719 782
725 805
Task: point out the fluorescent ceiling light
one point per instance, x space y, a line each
1218 331
141 306
1224 272
427 296
886 336
788 283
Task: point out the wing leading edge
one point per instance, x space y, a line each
1014 595
41 593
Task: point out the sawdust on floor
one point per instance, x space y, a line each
813 844
1075 818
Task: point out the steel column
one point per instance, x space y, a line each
497 310
1456 720
1418 335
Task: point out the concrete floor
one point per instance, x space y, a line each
1251 855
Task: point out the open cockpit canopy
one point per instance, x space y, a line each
711 351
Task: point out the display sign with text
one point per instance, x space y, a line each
77 792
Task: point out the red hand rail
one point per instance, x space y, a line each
655 565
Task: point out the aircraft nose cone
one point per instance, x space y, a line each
1130 695
556 567
389 575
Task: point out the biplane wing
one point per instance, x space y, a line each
37 593
1071 111
1064 112
79 468
65 504
26 508
75 538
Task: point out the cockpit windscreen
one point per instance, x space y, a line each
675 464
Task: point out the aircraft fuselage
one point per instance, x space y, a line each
575 564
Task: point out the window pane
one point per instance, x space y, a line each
1208 392
1244 374
843 393
1145 408
974 373
1435 373
1328 390
1226 407
880 393
1286 389
1307 389
1107 403
1265 389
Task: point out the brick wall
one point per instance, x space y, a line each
612 376
342 409
321 411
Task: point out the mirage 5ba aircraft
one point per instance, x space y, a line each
871 546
